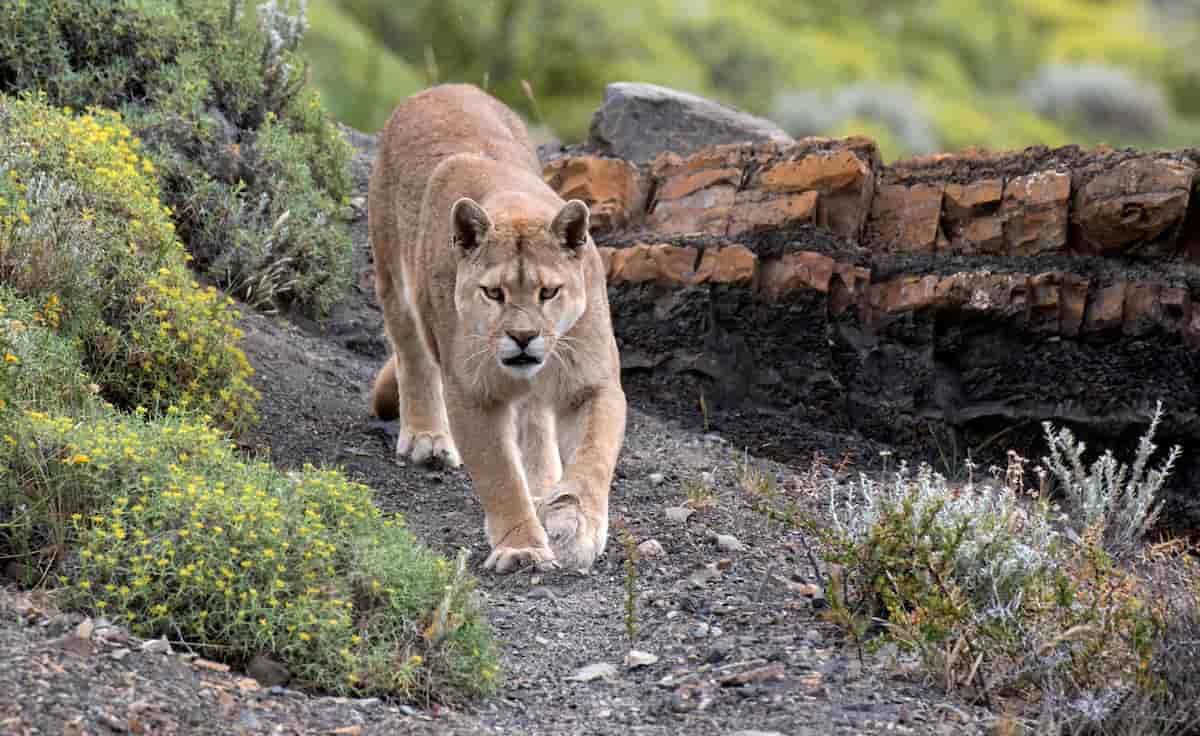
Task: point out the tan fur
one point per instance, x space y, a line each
475 257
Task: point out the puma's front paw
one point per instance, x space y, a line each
513 559
427 448
576 536
522 547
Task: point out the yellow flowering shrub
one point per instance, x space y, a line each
177 535
82 230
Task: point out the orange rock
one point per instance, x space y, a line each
824 171
970 218
751 212
795 271
686 183
733 264
1034 209
1106 308
1143 308
907 217
1045 302
675 264
613 189
705 211
842 172
991 293
633 265
1137 206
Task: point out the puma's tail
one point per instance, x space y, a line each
385 396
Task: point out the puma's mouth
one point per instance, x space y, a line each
521 359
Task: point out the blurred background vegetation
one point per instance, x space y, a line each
918 75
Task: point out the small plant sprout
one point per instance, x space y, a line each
700 491
629 544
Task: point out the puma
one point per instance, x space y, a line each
496 308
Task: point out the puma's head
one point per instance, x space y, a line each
520 284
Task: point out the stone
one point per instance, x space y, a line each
907 217
156 646
841 172
635 659
678 514
733 264
1106 309
1034 208
705 211
633 265
728 543
614 190
268 672
1143 310
597 671
1044 305
639 121
657 479
690 181
702 577
85 629
754 211
1135 208
970 219
651 549
773 671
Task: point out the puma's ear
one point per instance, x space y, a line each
469 224
571 224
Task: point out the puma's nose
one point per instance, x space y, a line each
522 337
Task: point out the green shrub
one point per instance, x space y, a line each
221 105
1123 504
158 522
999 593
84 237
177 537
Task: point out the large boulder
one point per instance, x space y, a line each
639 121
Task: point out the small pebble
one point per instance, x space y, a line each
678 514
156 646
729 543
650 549
657 479
542 592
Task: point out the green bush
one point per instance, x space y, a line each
224 112
158 523
1000 594
84 237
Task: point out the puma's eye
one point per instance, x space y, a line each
549 293
495 294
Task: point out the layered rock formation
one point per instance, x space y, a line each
946 304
